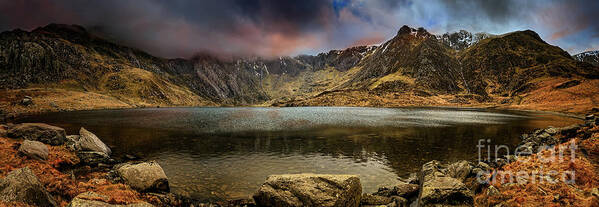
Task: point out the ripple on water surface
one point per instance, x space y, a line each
223 153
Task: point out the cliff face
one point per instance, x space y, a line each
591 57
451 68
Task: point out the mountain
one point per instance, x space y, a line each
66 67
516 69
591 57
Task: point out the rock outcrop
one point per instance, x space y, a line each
45 133
310 190
144 176
34 149
90 199
22 185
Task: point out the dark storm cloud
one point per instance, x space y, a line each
180 28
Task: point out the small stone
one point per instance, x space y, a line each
34 149
26 101
92 158
589 117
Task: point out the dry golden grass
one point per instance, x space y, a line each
128 88
547 193
579 99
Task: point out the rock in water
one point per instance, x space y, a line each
22 185
144 177
34 149
47 134
310 190
439 189
88 199
90 142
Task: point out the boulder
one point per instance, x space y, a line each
368 199
90 142
437 188
22 185
144 176
310 190
91 199
47 134
34 149
459 170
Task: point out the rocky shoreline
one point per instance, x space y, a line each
45 167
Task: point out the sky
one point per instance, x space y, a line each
271 28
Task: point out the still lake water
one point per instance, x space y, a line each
226 153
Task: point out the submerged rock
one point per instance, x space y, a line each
144 177
90 199
34 149
437 188
22 185
310 190
47 134
90 142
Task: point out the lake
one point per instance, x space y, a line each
226 153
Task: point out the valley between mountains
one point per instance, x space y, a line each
66 67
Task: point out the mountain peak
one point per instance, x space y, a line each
420 32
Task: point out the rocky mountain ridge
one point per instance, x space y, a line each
440 69
591 57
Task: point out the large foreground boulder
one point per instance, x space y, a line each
310 190
90 142
48 134
22 185
34 149
438 188
90 199
144 176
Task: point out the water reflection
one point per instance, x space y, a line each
217 153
